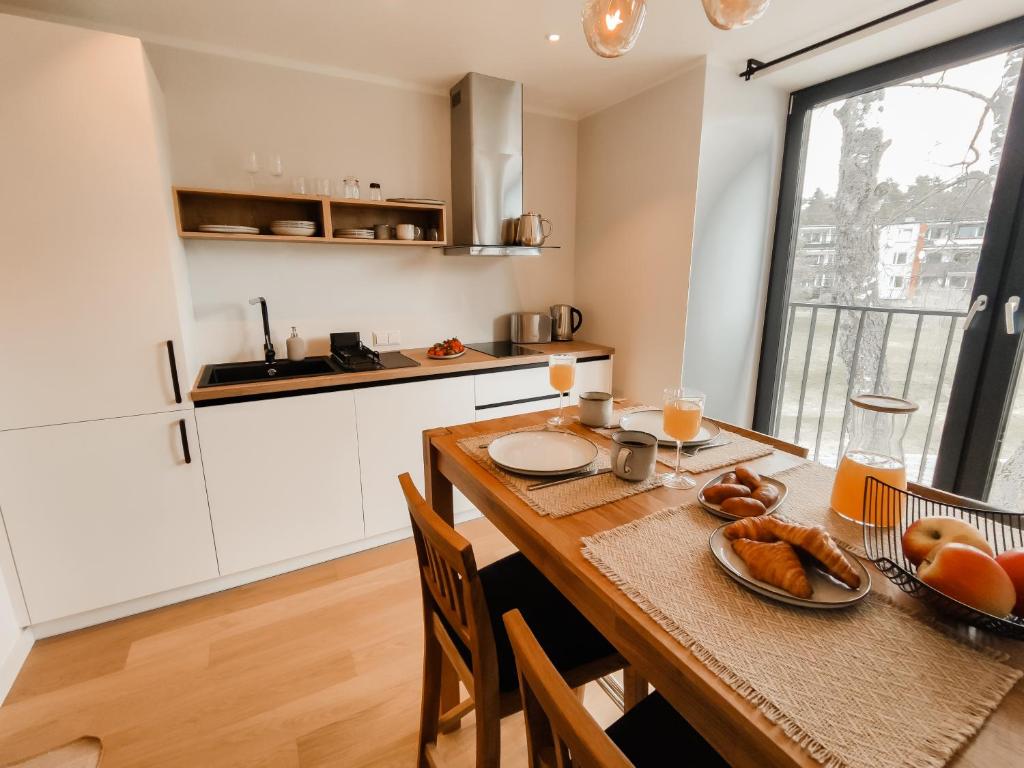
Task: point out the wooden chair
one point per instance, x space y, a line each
782 445
462 609
561 733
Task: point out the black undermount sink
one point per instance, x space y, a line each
257 370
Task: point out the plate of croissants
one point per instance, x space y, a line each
795 564
742 492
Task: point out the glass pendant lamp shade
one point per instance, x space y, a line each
612 26
729 14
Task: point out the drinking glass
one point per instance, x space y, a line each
683 411
562 373
252 167
323 187
276 166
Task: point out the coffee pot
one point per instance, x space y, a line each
531 229
565 321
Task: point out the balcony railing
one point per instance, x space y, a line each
906 352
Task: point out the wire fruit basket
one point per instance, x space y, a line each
883 544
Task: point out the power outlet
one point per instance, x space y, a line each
387 338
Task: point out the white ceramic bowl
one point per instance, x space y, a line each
280 229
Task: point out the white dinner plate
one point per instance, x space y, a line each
652 422
542 453
716 509
228 229
446 357
827 592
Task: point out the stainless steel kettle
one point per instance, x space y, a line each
565 321
531 229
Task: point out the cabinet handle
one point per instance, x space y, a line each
174 371
184 441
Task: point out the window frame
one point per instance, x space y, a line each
1001 223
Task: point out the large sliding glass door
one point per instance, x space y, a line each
894 244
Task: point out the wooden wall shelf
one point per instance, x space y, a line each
194 207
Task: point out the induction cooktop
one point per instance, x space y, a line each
503 349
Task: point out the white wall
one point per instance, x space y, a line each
220 108
634 229
737 187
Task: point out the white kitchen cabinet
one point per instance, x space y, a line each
391 422
104 511
88 250
282 477
591 376
507 386
516 409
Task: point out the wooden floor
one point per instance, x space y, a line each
313 668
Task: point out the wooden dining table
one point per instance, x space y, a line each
740 732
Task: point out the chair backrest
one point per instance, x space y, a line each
448 573
782 445
560 732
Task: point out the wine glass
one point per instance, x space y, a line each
276 169
252 167
562 373
683 411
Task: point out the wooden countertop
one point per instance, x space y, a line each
469 362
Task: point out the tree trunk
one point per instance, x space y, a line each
858 199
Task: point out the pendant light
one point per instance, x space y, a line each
612 26
730 14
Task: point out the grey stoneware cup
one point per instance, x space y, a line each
596 409
634 454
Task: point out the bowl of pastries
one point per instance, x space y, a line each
742 492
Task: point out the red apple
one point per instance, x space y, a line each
967 574
1013 563
929 532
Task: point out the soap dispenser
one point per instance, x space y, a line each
296 346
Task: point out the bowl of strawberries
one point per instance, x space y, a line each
447 349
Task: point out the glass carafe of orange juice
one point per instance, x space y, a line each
878 425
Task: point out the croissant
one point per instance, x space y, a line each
753 528
812 540
776 564
819 545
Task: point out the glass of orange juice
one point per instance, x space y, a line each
683 411
875 450
562 373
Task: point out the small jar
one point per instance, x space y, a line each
351 190
375 193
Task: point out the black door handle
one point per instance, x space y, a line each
184 441
174 371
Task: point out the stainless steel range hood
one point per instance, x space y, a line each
487 167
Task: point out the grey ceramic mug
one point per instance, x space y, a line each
634 454
596 409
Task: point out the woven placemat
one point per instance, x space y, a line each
863 687
737 449
808 503
567 498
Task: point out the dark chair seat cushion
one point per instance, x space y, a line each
653 735
568 639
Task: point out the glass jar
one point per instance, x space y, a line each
375 193
350 190
878 424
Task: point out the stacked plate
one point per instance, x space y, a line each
228 229
293 228
652 421
355 233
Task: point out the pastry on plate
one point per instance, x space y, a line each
810 539
776 564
